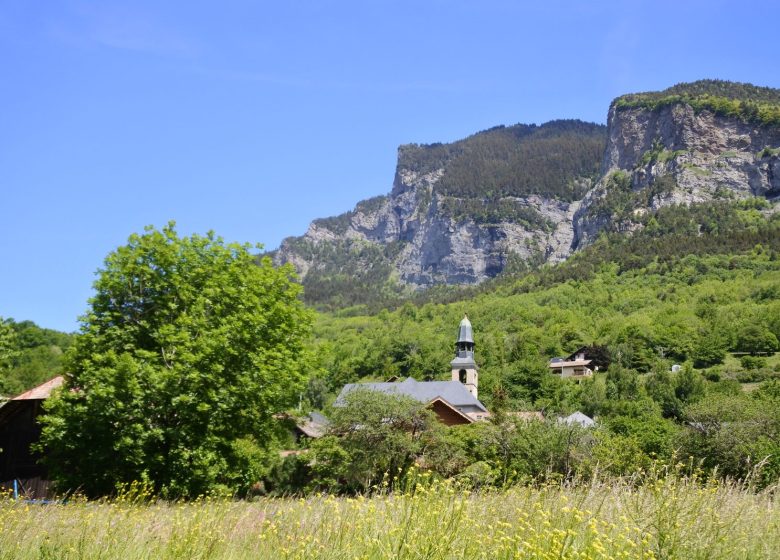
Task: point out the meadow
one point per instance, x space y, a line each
665 516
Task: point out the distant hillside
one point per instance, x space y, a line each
34 355
692 285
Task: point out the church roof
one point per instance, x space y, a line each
465 333
453 392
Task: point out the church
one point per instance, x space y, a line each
455 401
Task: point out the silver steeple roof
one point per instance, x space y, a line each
465 333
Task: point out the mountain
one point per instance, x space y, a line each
699 142
458 213
512 198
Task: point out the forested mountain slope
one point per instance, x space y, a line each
696 285
663 295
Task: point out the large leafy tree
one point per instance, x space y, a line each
189 347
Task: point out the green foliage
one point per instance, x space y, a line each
621 200
494 211
760 105
756 338
8 344
29 355
735 433
373 437
752 362
349 273
677 235
658 153
710 348
519 160
187 350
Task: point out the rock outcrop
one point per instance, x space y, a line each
436 236
676 155
436 247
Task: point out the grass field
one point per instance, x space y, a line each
668 517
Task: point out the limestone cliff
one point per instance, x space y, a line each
444 223
680 152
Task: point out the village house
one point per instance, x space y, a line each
575 365
454 401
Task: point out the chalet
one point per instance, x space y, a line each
19 429
454 401
576 365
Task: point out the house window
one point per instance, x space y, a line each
462 376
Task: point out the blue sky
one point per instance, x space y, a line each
253 118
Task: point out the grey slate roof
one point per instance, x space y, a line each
578 418
453 392
314 425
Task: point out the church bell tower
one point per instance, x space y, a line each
464 369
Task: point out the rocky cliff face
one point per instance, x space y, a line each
435 246
437 227
459 213
676 155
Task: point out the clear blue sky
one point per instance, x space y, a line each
253 118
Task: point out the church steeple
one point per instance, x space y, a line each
464 368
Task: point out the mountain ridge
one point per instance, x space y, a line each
463 212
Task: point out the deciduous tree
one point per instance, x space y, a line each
187 350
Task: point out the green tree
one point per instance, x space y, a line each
188 349
709 349
688 385
660 387
755 338
37 356
736 434
381 434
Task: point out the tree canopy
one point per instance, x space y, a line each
29 355
187 350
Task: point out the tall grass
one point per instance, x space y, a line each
670 516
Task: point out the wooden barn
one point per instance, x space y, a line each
19 429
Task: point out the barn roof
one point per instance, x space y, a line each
313 425
42 391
